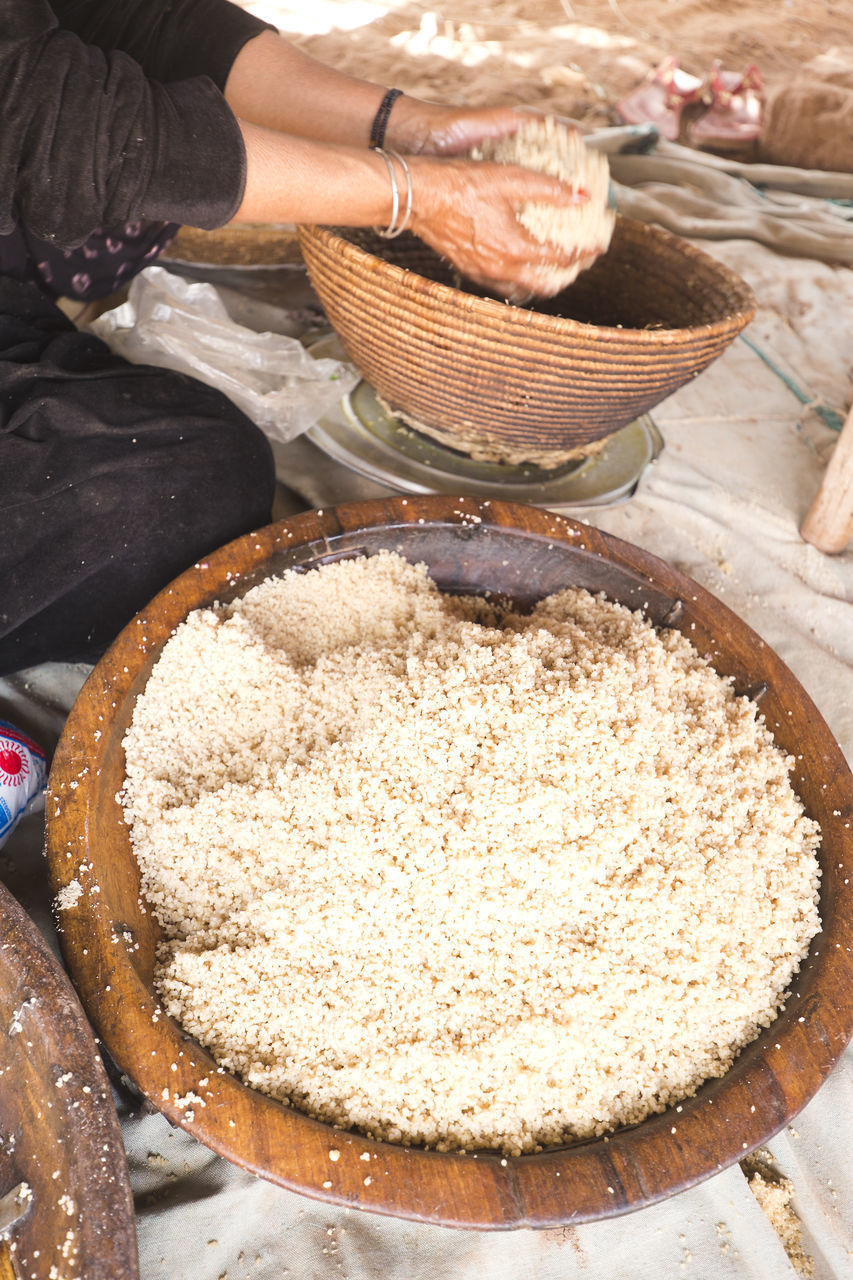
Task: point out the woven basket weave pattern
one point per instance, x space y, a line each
527 383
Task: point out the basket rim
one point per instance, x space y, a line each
492 308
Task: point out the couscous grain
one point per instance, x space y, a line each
547 145
462 879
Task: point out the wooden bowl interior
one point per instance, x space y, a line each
521 554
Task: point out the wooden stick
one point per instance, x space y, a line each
8 1270
829 523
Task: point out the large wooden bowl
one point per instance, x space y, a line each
60 1132
513 384
523 553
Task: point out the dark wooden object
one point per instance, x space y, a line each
522 553
60 1132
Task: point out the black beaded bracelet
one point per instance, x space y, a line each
380 120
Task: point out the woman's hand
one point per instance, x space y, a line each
467 210
309 166
430 129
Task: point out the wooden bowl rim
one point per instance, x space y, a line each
630 1169
448 299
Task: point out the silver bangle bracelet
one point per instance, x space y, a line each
395 194
394 227
407 215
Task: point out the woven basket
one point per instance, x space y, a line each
521 385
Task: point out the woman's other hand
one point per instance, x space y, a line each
467 210
431 129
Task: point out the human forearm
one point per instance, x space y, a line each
466 210
291 179
274 84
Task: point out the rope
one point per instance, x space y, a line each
829 416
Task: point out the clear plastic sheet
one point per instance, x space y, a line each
182 325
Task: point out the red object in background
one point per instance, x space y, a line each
661 98
736 110
729 105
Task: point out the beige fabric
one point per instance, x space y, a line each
795 211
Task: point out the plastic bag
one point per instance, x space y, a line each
23 776
178 324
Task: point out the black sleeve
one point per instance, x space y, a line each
87 140
170 39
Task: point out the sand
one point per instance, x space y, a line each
579 57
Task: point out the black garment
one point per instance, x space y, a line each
111 112
96 269
170 39
113 479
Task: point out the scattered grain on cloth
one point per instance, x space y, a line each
460 879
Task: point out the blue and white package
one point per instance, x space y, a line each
23 776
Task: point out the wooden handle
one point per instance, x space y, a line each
8 1270
829 523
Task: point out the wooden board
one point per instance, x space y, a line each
59 1132
522 553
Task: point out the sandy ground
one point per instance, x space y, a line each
576 57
